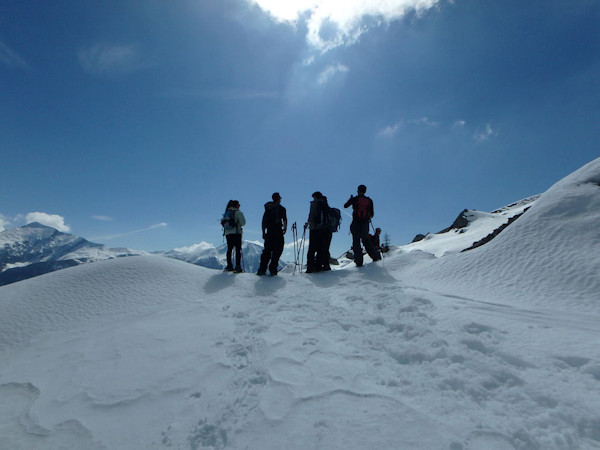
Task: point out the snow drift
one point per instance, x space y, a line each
550 254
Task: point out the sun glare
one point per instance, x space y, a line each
344 16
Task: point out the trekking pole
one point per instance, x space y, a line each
302 249
295 239
242 254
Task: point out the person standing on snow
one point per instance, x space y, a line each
274 226
328 235
317 224
362 213
233 221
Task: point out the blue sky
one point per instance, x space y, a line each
131 123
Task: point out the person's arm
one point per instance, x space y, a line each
372 209
241 218
284 217
349 202
311 215
264 225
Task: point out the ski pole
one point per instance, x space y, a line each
302 248
295 239
242 257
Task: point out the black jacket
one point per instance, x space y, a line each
274 218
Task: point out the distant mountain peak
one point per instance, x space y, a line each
35 249
37 225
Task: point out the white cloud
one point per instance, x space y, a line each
103 218
195 248
129 233
332 23
11 58
425 121
485 134
391 130
330 72
459 124
52 220
3 222
110 60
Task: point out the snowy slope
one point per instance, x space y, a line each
35 249
477 225
153 353
559 236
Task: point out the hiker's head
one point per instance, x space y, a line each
317 195
235 203
378 230
362 189
276 197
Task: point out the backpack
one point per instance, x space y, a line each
272 218
334 219
228 220
362 211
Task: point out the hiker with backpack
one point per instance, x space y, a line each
362 213
317 258
274 226
375 239
233 220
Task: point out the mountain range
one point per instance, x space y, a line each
35 249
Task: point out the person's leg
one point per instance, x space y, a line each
356 247
312 250
230 245
238 252
322 255
326 245
266 255
277 250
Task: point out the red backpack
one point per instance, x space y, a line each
362 208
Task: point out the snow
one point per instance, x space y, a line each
494 348
480 224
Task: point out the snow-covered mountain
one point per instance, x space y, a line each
206 255
471 229
35 249
492 348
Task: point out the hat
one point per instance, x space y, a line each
317 195
276 196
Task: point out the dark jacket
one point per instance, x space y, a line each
317 215
274 218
